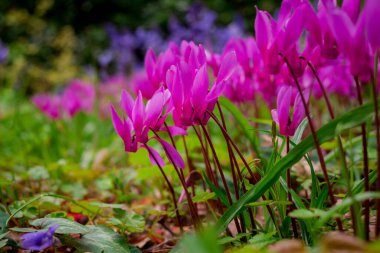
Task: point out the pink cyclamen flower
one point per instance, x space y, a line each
289 112
78 96
189 84
371 13
281 37
50 105
141 119
240 87
348 27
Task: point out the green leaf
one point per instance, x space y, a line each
243 122
98 239
348 120
337 209
263 240
65 226
219 193
23 230
3 243
3 221
204 196
303 214
3 235
130 221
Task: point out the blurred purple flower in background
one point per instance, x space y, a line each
49 104
3 52
39 240
78 96
199 25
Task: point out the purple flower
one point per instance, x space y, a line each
38 240
3 52
188 83
78 96
287 121
50 105
140 120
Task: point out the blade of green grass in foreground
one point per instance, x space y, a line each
350 119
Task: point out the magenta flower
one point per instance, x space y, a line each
371 13
141 119
281 36
240 87
189 84
156 67
50 105
78 96
39 240
348 27
289 112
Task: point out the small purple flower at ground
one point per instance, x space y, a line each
39 240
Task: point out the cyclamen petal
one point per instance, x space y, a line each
154 109
117 123
371 13
227 68
263 28
173 155
138 115
127 103
154 156
200 88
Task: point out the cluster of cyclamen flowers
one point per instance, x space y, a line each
338 43
77 96
183 89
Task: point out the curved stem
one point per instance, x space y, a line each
253 176
289 182
219 167
365 160
171 189
316 142
355 208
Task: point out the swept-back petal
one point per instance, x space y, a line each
153 109
227 67
127 103
200 88
150 63
173 155
117 123
371 14
154 156
263 29
342 28
138 114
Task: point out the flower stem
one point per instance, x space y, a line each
316 142
289 182
365 161
253 176
171 189
355 209
234 165
377 124
219 167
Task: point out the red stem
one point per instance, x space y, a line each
169 186
316 142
